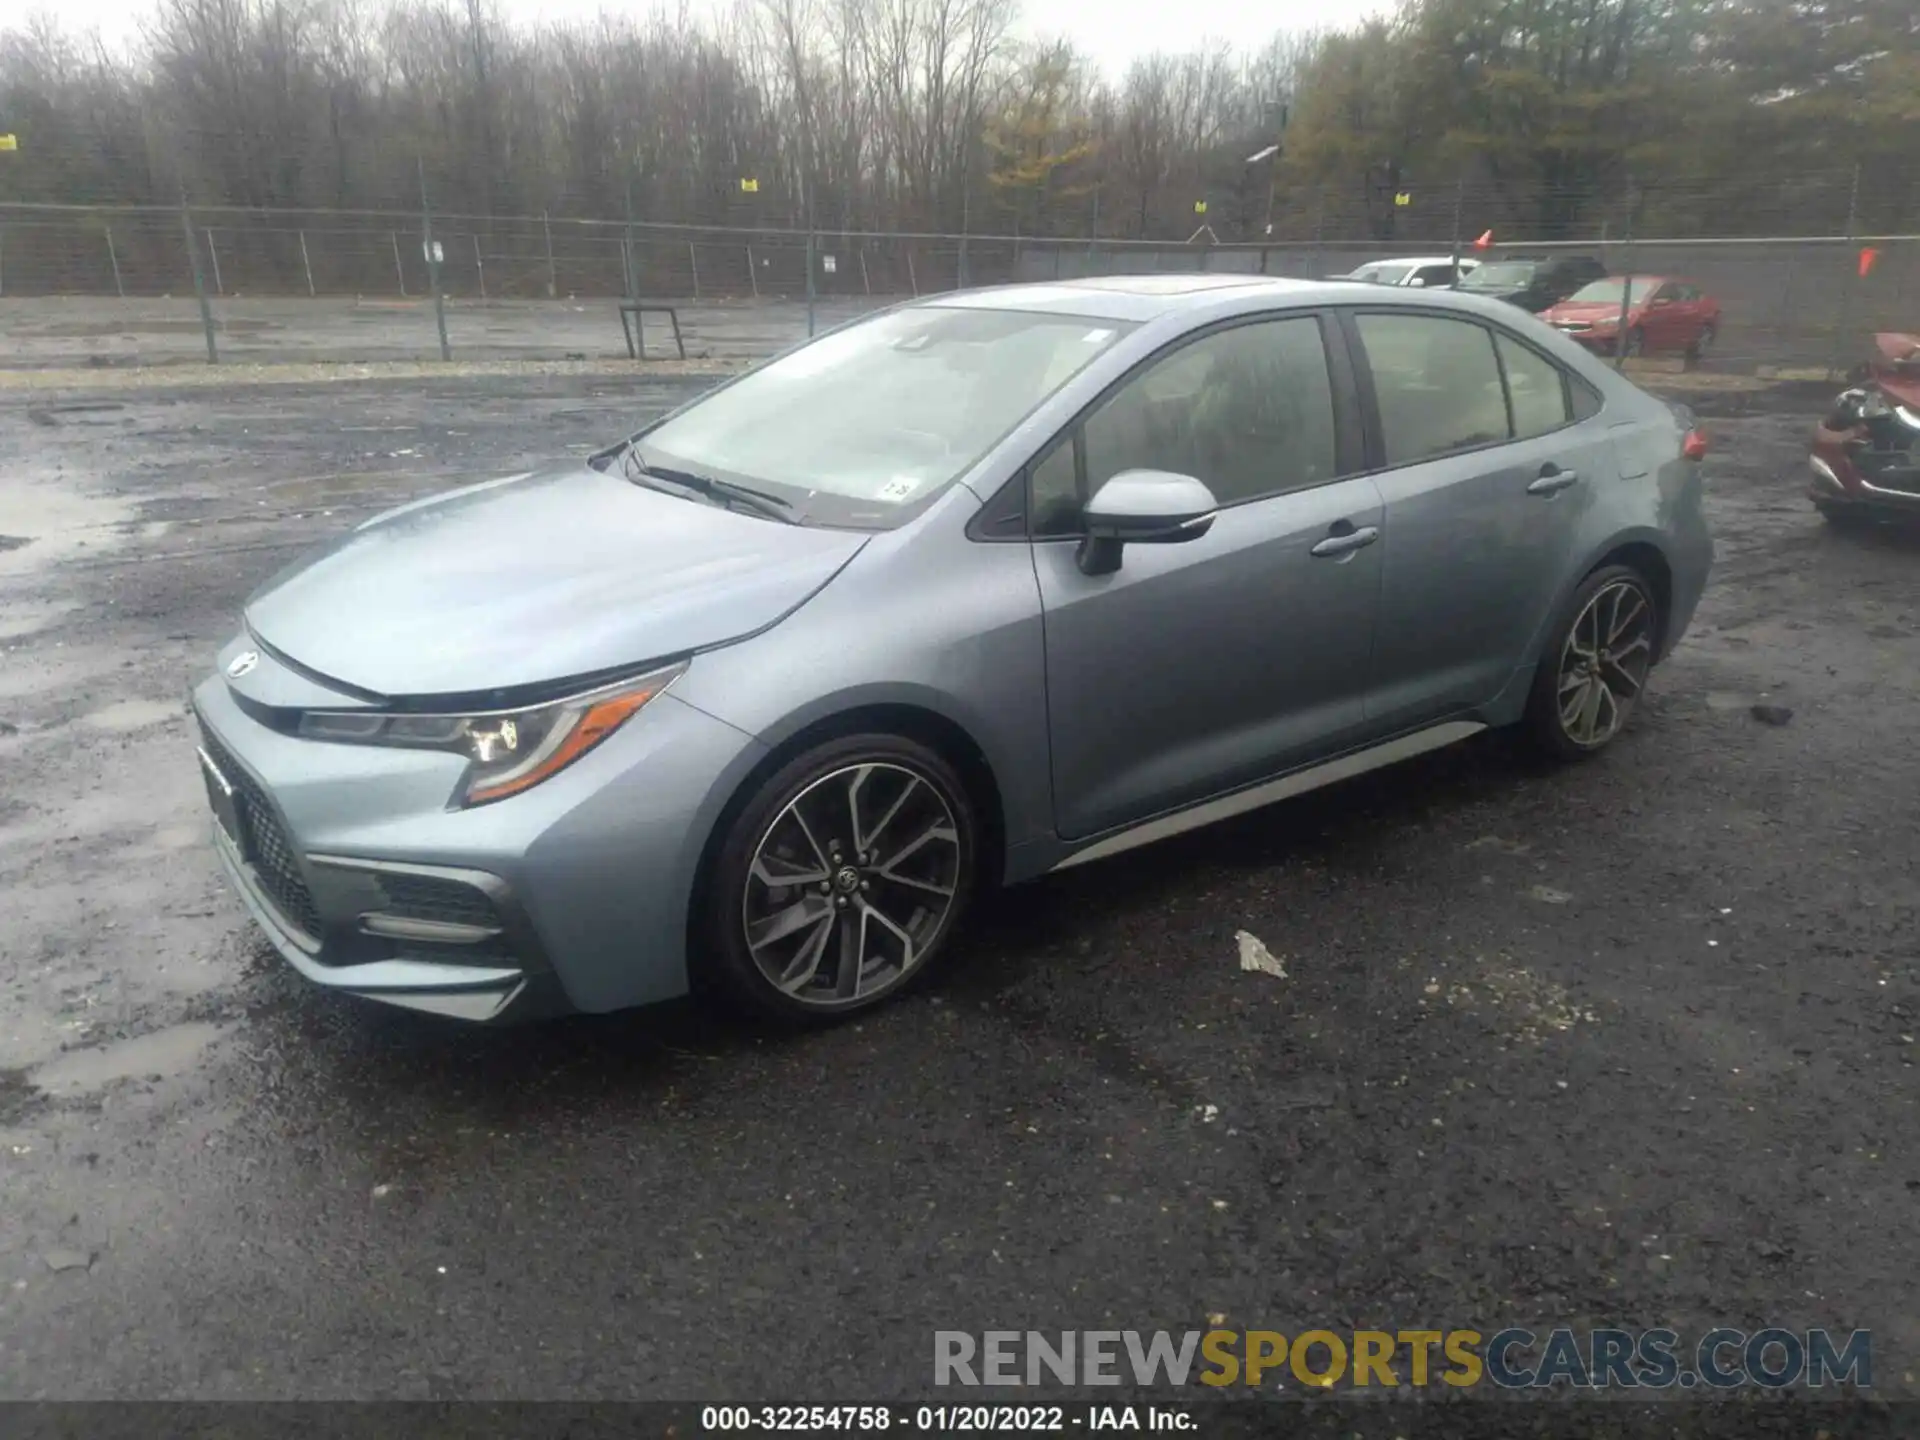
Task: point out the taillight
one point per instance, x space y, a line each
1695 446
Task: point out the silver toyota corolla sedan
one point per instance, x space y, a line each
966 591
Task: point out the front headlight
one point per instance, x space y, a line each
507 750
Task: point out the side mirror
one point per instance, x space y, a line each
1660 300
1143 507
1416 283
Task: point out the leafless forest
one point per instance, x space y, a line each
1553 116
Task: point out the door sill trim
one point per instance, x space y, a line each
1223 807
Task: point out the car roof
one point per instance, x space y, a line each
1144 298
1116 297
1415 260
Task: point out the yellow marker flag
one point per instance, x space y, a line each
1403 198
1199 207
9 142
749 187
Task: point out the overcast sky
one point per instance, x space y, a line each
1111 31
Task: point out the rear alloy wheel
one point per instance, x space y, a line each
1592 674
840 882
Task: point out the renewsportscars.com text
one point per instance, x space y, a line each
1512 1359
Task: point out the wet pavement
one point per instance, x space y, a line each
1630 1042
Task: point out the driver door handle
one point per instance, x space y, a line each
1553 480
1347 542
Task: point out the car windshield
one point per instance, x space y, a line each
1382 274
878 416
1609 291
1501 275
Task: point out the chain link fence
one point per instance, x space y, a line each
131 285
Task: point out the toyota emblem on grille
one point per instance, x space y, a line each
242 663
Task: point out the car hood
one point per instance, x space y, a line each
1589 310
536 578
1497 292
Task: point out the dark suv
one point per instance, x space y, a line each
1533 282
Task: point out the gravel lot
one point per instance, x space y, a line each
1628 1043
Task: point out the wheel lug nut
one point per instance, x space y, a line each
866 884
826 887
841 902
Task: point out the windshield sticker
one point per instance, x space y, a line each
898 488
1096 337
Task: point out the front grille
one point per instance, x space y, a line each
429 897
276 864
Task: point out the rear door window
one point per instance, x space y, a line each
1536 389
1436 383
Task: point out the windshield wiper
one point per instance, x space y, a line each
717 490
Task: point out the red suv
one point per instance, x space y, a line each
1663 314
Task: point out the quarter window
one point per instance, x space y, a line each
1437 385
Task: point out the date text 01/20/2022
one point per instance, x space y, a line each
751 1419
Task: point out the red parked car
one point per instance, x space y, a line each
1866 452
1663 314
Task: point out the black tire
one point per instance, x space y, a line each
1547 724
1701 347
895 952
1842 517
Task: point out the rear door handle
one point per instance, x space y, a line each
1347 542
1553 480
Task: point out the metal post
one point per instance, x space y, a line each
1094 233
866 285
306 263
1843 319
1626 286
114 258
1319 228
398 269
626 249
693 264
433 262
199 285
219 286
811 245
753 275
479 265
1459 195
553 280
966 217
912 282
3 246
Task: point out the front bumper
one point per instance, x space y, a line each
571 896
1836 482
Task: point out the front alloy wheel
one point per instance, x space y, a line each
842 879
1599 664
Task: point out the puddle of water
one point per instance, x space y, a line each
58 517
125 716
23 617
165 1053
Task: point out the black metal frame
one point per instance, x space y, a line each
633 326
